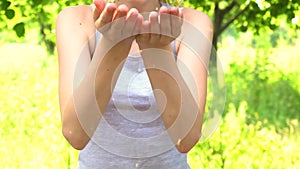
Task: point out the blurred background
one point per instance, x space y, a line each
257 43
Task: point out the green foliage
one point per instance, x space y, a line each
243 14
29 115
29 14
237 144
19 28
255 14
246 15
260 127
267 90
9 13
4 4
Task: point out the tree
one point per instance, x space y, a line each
29 14
246 14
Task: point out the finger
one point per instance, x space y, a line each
138 25
154 27
144 32
131 19
132 12
99 6
165 21
96 14
122 11
174 11
106 16
176 21
119 18
163 9
180 13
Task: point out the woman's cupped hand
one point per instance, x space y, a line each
151 30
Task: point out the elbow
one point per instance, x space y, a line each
183 149
185 145
75 140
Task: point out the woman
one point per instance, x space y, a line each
132 82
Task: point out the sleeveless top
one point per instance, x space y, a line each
131 133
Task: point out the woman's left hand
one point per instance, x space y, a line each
162 28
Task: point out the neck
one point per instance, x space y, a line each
141 5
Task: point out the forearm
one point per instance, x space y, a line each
111 58
90 98
181 114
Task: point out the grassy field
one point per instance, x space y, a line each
31 130
29 115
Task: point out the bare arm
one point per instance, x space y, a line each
193 56
73 53
85 85
184 100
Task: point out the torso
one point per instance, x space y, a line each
131 133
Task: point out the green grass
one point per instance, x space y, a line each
260 127
240 145
31 129
29 115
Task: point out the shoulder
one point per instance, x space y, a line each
193 15
197 33
75 24
199 20
76 18
75 13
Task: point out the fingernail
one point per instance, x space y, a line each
153 14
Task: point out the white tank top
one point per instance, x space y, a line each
131 133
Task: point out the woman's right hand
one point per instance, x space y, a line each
116 23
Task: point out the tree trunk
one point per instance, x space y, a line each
213 55
220 26
217 22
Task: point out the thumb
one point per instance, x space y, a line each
99 6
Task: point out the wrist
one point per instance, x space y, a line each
166 47
161 58
123 43
118 50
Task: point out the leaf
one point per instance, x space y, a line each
273 26
254 6
19 28
37 2
5 5
243 28
9 13
67 3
